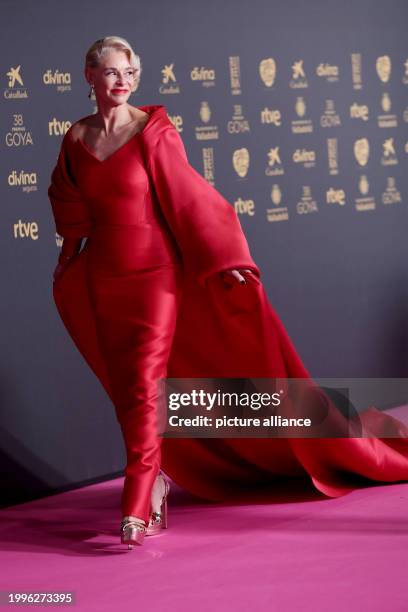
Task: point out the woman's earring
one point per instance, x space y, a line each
90 91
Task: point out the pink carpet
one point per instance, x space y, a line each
292 550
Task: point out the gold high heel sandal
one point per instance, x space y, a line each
132 531
158 520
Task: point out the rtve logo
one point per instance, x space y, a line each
58 128
27 229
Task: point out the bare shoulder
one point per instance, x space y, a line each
79 128
140 116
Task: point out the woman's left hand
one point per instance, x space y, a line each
236 274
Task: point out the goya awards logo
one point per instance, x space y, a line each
383 67
301 125
267 71
386 119
271 116
307 204
15 89
329 72
362 151
364 202
391 195
240 161
235 75
205 76
169 83
298 80
278 212
207 130
60 80
275 166
238 124
330 117
19 135
389 156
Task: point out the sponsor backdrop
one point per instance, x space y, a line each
297 112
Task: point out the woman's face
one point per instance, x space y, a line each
113 79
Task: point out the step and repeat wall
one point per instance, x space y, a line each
297 112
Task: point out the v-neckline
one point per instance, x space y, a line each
102 161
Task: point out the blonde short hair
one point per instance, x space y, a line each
101 46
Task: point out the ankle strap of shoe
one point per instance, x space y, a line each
129 520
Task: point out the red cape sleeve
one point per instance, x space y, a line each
204 223
71 214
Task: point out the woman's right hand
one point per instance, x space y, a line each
63 263
70 249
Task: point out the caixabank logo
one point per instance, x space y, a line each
15 88
169 83
298 80
274 165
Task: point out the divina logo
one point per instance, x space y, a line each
15 179
328 71
205 75
61 80
305 157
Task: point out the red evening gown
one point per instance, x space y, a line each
143 300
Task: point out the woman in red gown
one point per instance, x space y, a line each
165 286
